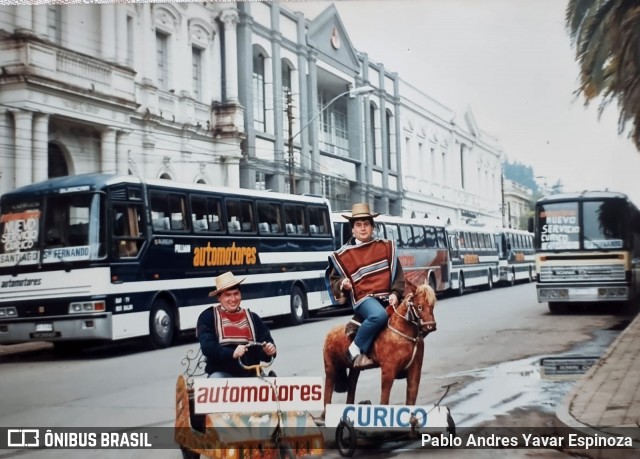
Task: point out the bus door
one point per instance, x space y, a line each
128 228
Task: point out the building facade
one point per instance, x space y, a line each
127 88
518 204
242 94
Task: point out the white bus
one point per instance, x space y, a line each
516 255
474 257
587 249
104 257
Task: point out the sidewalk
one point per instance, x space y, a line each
606 400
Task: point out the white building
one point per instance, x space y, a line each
451 167
518 202
243 94
127 88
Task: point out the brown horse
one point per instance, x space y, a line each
398 349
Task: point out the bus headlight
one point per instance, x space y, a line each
87 306
8 312
554 293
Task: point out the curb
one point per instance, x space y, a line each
565 419
12 349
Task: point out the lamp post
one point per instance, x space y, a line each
351 92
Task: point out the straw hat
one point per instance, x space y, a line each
360 210
224 282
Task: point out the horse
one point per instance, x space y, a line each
398 349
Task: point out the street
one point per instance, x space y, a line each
488 343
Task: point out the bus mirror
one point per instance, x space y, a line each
530 224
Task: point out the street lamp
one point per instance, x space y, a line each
351 92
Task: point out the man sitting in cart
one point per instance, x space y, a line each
225 329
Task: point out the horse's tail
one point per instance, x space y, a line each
341 381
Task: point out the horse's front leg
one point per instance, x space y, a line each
414 373
386 383
329 381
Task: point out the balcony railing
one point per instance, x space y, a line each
37 58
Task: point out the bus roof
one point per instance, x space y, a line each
97 181
583 195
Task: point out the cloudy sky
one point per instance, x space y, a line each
512 63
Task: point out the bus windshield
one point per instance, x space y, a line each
60 228
585 225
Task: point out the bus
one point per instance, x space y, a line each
474 257
104 257
421 246
516 256
587 248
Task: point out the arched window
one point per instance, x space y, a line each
57 163
391 135
372 128
259 107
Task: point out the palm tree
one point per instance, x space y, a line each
605 35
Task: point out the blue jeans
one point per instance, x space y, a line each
375 319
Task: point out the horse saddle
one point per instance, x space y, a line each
351 328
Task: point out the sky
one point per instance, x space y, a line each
512 63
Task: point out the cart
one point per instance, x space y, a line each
241 418
362 424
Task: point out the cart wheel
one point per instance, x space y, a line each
286 452
451 425
346 438
188 454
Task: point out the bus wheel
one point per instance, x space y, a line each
460 290
490 281
299 310
556 307
512 279
432 284
68 348
161 324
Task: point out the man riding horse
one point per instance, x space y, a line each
366 271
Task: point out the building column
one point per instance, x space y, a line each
230 20
108 151
183 76
233 172
108 30
315 187
23 147
40 19
24 18
40 147
215 70
121 34
122 153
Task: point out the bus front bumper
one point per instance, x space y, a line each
85 327
573 293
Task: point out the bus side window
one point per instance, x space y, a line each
418 236
442 239
168 211
240 216
294 219
318 220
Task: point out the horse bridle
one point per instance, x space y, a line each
414 318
